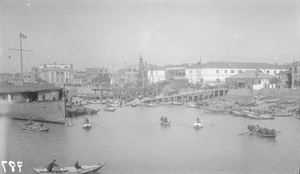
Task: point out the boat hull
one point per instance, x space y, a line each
34 128
53 112
87 126
265 136
72 170
165 123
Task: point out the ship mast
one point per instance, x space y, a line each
22 36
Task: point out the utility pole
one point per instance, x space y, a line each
22 36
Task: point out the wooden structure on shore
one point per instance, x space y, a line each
200 95
153 95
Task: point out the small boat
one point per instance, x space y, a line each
176 103
192 105
114 104
35 127
85 169
87 126
236 112
94 102
269 133
109 109
288 114
163 123
198 125
152 105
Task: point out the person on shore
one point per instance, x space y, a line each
51 165
77 166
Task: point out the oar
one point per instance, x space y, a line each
244 133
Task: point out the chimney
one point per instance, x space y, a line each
45 65
71 66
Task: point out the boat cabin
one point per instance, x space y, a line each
30 93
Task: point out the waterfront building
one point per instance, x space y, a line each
79 78
4 77
296 74
94 72
250 79
217 72
284 79
156 75
35 74
58 73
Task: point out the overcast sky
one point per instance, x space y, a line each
108 33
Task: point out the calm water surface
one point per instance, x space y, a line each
130 140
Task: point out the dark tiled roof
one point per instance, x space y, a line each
251 74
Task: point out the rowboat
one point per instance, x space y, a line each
163 123
152 105
87 125
85 169
176 103
109 109
198 125
35 127
192 105
239 113
114 104
94 102
266 136
283 114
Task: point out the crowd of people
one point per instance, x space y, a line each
263 131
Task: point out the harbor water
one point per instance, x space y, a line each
131 140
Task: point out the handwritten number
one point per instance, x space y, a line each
12 164
19 163
2 162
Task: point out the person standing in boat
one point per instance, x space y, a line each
30 121
197 120
87 121
51 165
77 165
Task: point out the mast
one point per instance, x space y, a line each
22 36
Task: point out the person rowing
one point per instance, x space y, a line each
51 165
30 122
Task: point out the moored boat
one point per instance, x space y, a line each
34 127
152 105
198 125
110 109
85 169
191 105
94 102
239 113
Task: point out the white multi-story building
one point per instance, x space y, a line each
219 71
57 73
156 75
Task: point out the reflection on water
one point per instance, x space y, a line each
131 140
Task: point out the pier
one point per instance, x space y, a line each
200 95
